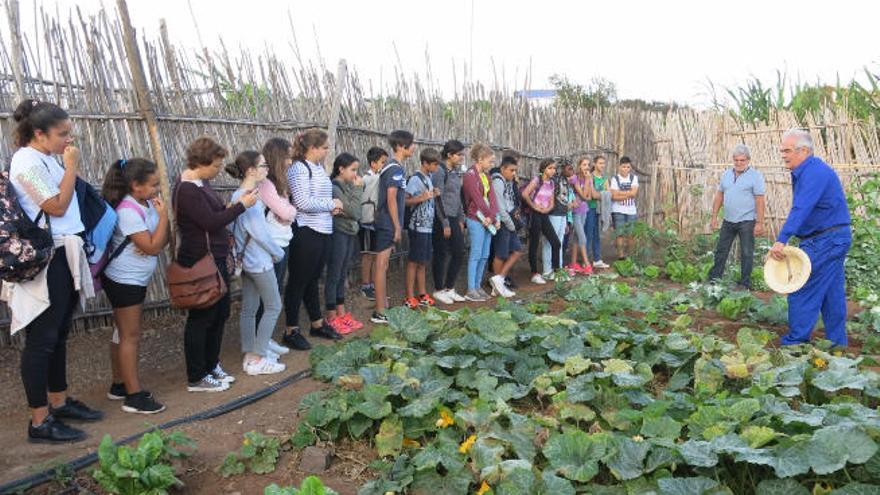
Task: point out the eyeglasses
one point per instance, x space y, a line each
786 150
263 165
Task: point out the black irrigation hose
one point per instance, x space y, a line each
81 462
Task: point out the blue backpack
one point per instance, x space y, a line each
98 218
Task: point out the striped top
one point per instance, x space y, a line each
312 194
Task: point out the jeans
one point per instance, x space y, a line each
558 224
540 225
451 248
44 359
594 241
308 254
824 292
257 288
203 333
745 230
579 227
342 251
480 239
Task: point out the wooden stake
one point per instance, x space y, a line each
341 74
15 35
145 107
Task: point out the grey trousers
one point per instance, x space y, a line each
257 287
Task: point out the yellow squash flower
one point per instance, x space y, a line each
484 487
409 442
467 444
445 420
819 362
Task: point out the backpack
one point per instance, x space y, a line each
97 268
25 247
561 192
408 211
98 218
370 197
629 182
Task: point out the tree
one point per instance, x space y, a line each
599 93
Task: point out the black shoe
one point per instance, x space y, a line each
509 283
77 411
379 318
325 331
142 403
117 392
368 292
52 430
295 340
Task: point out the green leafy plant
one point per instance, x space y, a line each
144 469
312 485
731 307
683 273
625 267
651 271
258 452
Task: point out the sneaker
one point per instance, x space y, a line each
207 384
538 279
369 292
600 264
117 392
295 340
587 269
338 324
474 295
379 318
484 294
142 403
221 375
75 410
574 268
272 355
510 283
325 331
52 430
443 296
498 286
411 302
352 322
277 348
455 296
426 300
263 366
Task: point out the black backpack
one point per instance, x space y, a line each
25 247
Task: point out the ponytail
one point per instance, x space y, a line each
310 138
31 116
245 161
122 173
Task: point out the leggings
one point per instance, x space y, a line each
580 220
540 225
203 333
308 255
44 359
256 289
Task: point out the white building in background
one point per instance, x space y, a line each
539 97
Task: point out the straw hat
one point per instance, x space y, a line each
790 274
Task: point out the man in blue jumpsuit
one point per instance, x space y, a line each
819 217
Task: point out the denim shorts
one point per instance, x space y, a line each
623 223
420 246
506 242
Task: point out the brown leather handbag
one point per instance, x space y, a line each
198 286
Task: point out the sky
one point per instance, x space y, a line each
653 50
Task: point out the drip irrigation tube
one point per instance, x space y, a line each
37 479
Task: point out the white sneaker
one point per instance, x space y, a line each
538 279
499 287
600 264
443 296
475 296
277 348
208 384
272 355
221 375
263 366
455 296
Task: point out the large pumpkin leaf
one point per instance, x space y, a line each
576 454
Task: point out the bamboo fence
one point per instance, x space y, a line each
133 96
